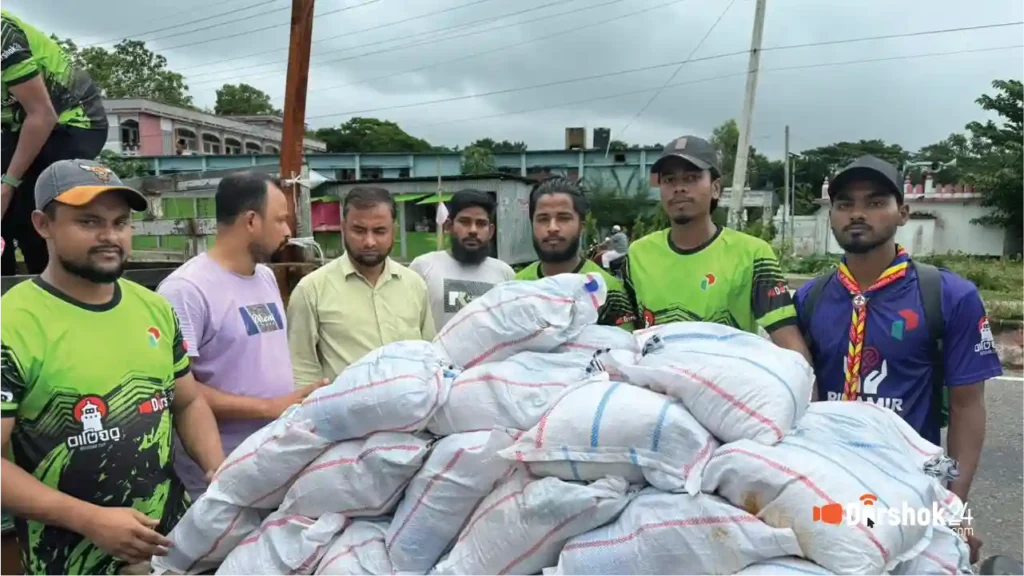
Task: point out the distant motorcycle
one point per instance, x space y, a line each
615 267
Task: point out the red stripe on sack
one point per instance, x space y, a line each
704 454
426 490
217 541
542 425
947 567
501 380
287 482
244 457
533 549
745 408
308 564
348 551
582 346
699 521
556 299
949 497
486 511
806 482
358 457
502 346
310 399
381 508
274 524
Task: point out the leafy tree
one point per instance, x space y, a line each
816 164
499 147
123 167
130 70
477 160
364 135
243 100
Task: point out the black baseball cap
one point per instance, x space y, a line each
869 168
469 198
78 182
695 150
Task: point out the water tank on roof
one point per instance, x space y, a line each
575 138
602 136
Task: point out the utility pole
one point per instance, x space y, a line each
791 162
739 173
785 194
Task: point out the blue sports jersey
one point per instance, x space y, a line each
896 366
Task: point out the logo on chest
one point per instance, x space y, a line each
90 412
908 322
707 282
261 318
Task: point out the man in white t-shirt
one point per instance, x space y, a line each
455 277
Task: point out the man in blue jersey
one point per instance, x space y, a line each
886 350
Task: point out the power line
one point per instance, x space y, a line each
203 19
678 68
627 71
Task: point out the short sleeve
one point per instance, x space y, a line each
179 350
419 266
12 381
16 60
770 299
618 309
969 353
20 360
190 310
507 272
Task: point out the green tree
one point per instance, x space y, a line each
499 147
130 70
364 135
476 160
243 100
816 164
124 167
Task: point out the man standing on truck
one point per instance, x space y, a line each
897 333
359 302
51 111
233 319
699 271
558 209
94 380
466 271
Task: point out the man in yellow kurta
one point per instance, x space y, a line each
360 301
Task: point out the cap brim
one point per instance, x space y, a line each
862 173
82 195
700 164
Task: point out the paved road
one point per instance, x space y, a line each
997 501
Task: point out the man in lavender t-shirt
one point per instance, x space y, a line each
233 319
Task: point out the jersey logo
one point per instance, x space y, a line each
459 293
158 403
153 333
90 412
909 322
987 345
707 282
648 318
261 318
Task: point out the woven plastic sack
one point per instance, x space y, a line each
513 393
358 550
284 544
947 554
604 428
395 388
461 471
662 533
522 315
736 384
358 477
202 539
787 565
597 337
522 525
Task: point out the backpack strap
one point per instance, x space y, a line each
929 283
810 302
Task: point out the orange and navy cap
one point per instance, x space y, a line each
78 182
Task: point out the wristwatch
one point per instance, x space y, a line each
8 179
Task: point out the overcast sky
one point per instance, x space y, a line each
367 63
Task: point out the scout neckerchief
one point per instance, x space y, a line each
858 322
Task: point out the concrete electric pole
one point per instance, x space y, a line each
739 173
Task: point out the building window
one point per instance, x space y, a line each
271 149
185 142
253 148
211 144
403 172
130 137
232 146
372 173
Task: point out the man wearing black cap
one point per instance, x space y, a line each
466 271
698 271
94 381
897 333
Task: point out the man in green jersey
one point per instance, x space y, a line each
50 111
94 381
698 271
557 210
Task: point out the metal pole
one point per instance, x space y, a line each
440 235
739 173
785 194
791 193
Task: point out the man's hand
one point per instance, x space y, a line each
974 543
6 195
277 406
125 533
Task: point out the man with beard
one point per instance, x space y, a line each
558 209
698 271
455 277
360 301
897 333
95 380
232 316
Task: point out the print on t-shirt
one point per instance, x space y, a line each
261 318
459 293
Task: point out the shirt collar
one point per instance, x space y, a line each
349 269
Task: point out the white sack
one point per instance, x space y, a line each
736 384
787 565
522 315
597 337
815 466
209 530
603 428
395 388
357 477
259 472
662 533
521 526
947 554
512 393
284 544
358 550
461 471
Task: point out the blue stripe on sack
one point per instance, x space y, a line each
790 567
656 435
600 414
698 336
792 397
633 457
572 464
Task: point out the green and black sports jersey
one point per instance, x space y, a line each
27 53
91 388
617 309
733 279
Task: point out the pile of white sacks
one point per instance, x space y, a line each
526 440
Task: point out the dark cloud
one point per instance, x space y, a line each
528 42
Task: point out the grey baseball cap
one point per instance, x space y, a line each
869 168
695 150
78 182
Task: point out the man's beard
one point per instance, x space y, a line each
681 219
90 273
863 246
465 255
368 261
260 255
557 256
